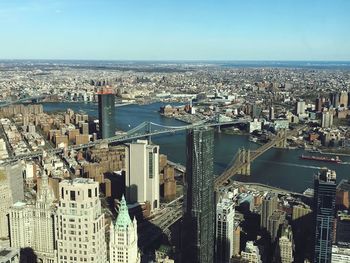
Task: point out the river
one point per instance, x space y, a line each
277 167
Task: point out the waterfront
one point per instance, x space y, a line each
277 167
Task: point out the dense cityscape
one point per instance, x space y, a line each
77 188
174 131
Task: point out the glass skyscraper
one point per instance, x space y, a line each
324 208
106 101
199 218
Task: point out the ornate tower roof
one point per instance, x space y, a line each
123 219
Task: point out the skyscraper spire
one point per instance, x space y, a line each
45 193
123 219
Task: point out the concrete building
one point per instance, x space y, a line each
327 119
340 254
300 108
199 215
225 214
5 204
275 222
254 125
9 255
80 223
251 253
286 245
33 225
142 173
106 100
343 99
300 211
123 238
269 205
14 175
324 208
236 239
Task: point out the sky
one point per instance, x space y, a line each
175 29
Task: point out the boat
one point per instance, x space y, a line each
321 158
253 139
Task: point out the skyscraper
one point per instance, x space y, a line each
300 107
106 100
33 225
324 208
80 224
142 173
199 218
286 245
5 203
327 119
225 214
343 99
123 238
269 205
334 99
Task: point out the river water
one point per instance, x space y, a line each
277 167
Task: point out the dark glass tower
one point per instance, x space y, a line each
199 218
324 208
106 101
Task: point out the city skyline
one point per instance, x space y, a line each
157 30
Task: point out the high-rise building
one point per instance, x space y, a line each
123 238
324 208
275 222
340 254
106 100
300 107
327 119
343 99
5 204
318 104
236 239
225 214
286 245
343 228
334 99
33 225
271 113
80 223
142 173
268 206
199 217
14 174
251 253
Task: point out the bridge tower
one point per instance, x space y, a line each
282 139
149 131
244 158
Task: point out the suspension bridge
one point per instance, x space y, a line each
144 130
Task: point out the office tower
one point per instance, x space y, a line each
327 119
80 223
106 100
343 100
43 223
14 174
199 217
343 228
286 245
318 105
274 223
300 211
142 173
269 205
123 238
9 255
342 200
251 253
225 214
271 113
324 207
33 225
300 107
236 239
334 99
5 203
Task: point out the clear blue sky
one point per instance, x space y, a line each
175 29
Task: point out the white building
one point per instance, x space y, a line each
5 204
300 107
286 245
9 255
123 238
15 179
80 225
340 255
32 225
251 253
225 214
327 119
254 125
142 173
